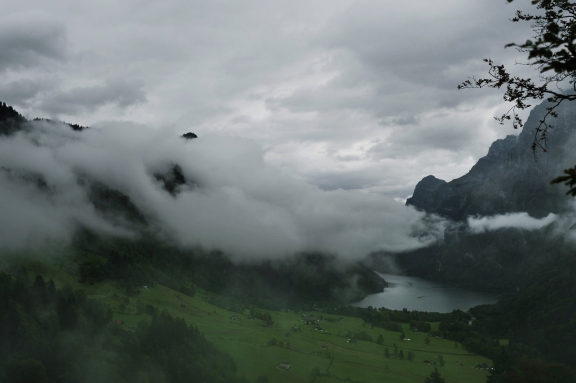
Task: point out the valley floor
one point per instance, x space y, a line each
260 351
248 342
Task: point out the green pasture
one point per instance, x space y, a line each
247 340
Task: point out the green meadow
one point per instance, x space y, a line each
249 343
326 352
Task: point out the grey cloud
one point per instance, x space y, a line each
350 180
347 157
118 92
438 134
421 48
405 120
23 92
29 39
326 72
399 60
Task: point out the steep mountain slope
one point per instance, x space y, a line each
509 179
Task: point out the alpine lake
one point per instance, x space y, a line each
418 294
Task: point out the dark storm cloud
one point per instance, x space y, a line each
117 92
30 39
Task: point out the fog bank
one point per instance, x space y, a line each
512 220
233 200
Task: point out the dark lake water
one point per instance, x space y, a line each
422 295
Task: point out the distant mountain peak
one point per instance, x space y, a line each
425 190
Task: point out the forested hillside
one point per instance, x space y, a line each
59 335
302 280
540 320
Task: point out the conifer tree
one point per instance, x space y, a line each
434 377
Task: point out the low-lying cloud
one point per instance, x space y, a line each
234 200
512 220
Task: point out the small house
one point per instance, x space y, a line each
309 319
284 366
427 361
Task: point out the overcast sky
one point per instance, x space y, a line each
341 94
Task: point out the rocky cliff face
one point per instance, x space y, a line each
509 179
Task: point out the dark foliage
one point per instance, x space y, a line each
540 321
172 179
434 377
10 120
391 319
189 136
51 335
114 204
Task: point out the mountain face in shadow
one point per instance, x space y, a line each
510 179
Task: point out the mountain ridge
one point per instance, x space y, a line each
510 179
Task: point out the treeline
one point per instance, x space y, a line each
391 319
452 326
296 283
58 335
460 331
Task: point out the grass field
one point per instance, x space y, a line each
247 341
